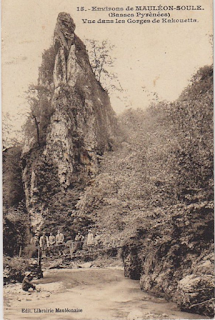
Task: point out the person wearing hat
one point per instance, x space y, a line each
26 283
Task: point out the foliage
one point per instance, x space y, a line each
13 192
192 124
15 231
14 269
102 64
41 110
39 98
47 180
47 66
15 222
61 213
165 160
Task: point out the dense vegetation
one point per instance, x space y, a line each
13 192
15 219
165 159
39 97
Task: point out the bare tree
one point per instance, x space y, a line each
102 62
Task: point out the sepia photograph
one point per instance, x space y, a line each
107 159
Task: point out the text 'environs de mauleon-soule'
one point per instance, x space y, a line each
144 8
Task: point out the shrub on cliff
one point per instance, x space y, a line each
47 66
39 98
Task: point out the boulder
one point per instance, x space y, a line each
196 294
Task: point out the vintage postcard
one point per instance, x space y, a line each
107 136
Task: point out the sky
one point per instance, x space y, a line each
149 58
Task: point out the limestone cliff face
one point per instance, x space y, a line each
81 127
176 262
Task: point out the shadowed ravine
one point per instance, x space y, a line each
100 293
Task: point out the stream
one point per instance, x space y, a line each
87 294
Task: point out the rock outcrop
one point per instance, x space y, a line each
173 258
81 128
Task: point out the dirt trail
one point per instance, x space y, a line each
100 293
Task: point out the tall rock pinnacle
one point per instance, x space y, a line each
81 127
65 49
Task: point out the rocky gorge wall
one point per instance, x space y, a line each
81 128
174 258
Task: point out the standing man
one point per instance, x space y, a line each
44 244
51 240
90 240
60 241
59 238
78 242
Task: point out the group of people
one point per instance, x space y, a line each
91 240
79 241
47 243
